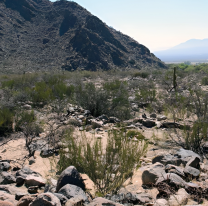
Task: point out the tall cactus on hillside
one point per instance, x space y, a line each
174 78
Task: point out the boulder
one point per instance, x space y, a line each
161 117
99 201
5 166
62 198
25 201
149 123
166 159
70 176
153 116
194 162
33 189
71 191
6 178
7 197
161 202
26 171
19 195
46 199
6 203
175 169
31 160
113 120
137 199
76 201
181 198
191 171
32 180
20 180
175 180
152 173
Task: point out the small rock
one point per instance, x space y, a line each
20 180
194 162
6 203
152 173
149 123
62 198
71 191
31 160
19 195
160 118
32 180
6 178
191 171
33 189
46 199
153 116
75 201
5 166
25 201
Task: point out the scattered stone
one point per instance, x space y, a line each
46 199
113 120
75 201
149 123
19 195
7 197
6 203
174 169
6 178
5 166
33 189
70 176
62 198
20 180
27 107
32 180
181 198
71 191
47 153
161 117
153 116
194 162
99 201
152 173
191 171
31 160
161 202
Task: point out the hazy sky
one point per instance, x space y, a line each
158 24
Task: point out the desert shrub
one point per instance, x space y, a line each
108 167
141 74
6 120
93 99
24 117
204 81
135 134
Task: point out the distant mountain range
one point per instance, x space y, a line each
194 50
41 35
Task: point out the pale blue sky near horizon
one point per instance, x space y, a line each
157 24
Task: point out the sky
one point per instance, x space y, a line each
157 24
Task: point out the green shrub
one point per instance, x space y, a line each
107 166
6 120
132 133
204 81
141 74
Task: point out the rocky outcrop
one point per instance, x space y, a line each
78 39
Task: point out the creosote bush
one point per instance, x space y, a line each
107 166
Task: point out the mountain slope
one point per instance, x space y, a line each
192 50
39 34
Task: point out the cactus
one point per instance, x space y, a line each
174 78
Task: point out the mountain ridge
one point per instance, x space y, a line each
39 34
191 50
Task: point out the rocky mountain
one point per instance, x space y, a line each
191 50
41 35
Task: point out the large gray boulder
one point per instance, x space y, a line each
7 197
47 199
70 176
99 201
191 171
32 180
71 191
152 173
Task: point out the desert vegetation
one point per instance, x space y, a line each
96 121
